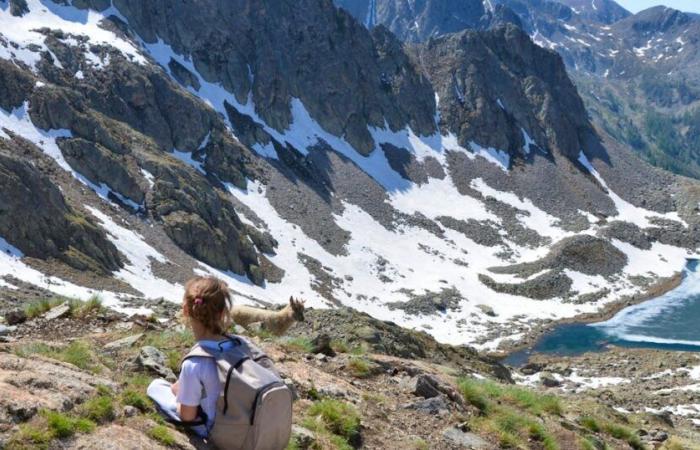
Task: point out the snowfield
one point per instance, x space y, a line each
380 265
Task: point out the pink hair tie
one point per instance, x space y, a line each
198 301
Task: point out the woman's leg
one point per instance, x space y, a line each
160 392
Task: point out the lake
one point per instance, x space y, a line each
671 321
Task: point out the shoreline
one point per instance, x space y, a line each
658 289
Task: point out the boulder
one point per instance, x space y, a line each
28 385
153 360
58 312
435 405
123 342
302 438
322 344
464 439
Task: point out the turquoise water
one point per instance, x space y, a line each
671 321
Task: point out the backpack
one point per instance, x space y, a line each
254 409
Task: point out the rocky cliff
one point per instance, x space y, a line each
290 149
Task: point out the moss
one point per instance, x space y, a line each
162 434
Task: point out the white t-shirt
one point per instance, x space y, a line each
199 384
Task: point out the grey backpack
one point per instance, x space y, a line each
254 410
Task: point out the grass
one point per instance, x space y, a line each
625 434
136 399
481 393
30 437
298 344
590 423
99 409
63 426
510 413
77 353
420 444
162 434
334 421
78 308
359 367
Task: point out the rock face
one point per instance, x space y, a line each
418 21
29 385
250 62
500 80
35 218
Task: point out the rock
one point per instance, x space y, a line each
435 405
117 437
548 380
486 309
57 312
531 368
292 387
302 438
15 317
322 344
333 391
320 357
4 329
659 436
130 411
464 439
30 385
123 342
152 359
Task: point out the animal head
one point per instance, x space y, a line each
297 309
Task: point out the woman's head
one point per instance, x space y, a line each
207 301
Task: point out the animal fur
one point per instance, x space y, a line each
276 322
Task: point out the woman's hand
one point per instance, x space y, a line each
175 388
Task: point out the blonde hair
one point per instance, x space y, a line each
207 300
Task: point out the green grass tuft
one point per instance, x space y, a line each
77 353
63 426
298 344
99 409
359 367
136 399
162 434
337 417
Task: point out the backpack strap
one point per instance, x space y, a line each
198 350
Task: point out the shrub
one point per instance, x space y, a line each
162 434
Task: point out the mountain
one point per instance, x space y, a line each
638 74
456 181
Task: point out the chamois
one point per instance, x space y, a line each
276 322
